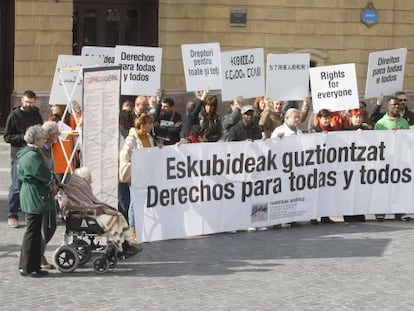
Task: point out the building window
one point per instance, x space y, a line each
110 23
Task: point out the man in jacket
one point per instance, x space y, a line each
245 129
22 117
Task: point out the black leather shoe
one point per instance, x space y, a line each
34 274
314 222
327 220
403 218
42 272
129 249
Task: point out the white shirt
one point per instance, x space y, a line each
284 130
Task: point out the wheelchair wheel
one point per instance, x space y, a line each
66 259
100 264
84 251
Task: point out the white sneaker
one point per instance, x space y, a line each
251 229
261 228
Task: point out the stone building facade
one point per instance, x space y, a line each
330 30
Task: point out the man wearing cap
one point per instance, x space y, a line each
245 129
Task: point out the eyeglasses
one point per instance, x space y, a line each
394 104
402 99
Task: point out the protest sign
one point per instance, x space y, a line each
141 69
67 81
242 74
101 131
106 55
334 87
287 76
202 63
206 188
385 73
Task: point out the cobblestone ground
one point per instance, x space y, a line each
364 266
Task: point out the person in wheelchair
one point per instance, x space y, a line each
79 199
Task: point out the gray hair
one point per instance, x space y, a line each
34 133
290 112
50 128
83 172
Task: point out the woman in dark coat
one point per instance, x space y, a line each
210 120
36 199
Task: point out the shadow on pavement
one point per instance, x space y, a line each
223 254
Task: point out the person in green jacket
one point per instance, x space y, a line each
36 198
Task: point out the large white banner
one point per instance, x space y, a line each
243 74
106 55
67 81
204 188
287 76
101 130
141 69
385 73
334 87
202 65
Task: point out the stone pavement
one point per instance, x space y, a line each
364 266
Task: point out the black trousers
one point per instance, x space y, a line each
30 253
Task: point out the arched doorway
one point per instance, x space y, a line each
6 57
114 22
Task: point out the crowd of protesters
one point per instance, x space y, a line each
153 121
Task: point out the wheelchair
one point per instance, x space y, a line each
82 243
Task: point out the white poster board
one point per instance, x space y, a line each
243 74
141 69
334 87
101 130
385 73
287 76
106 55
202 63
262 183
67 80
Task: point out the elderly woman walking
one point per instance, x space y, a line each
36 199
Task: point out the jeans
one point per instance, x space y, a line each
131 215
123 199
14 190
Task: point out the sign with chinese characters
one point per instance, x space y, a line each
287 76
